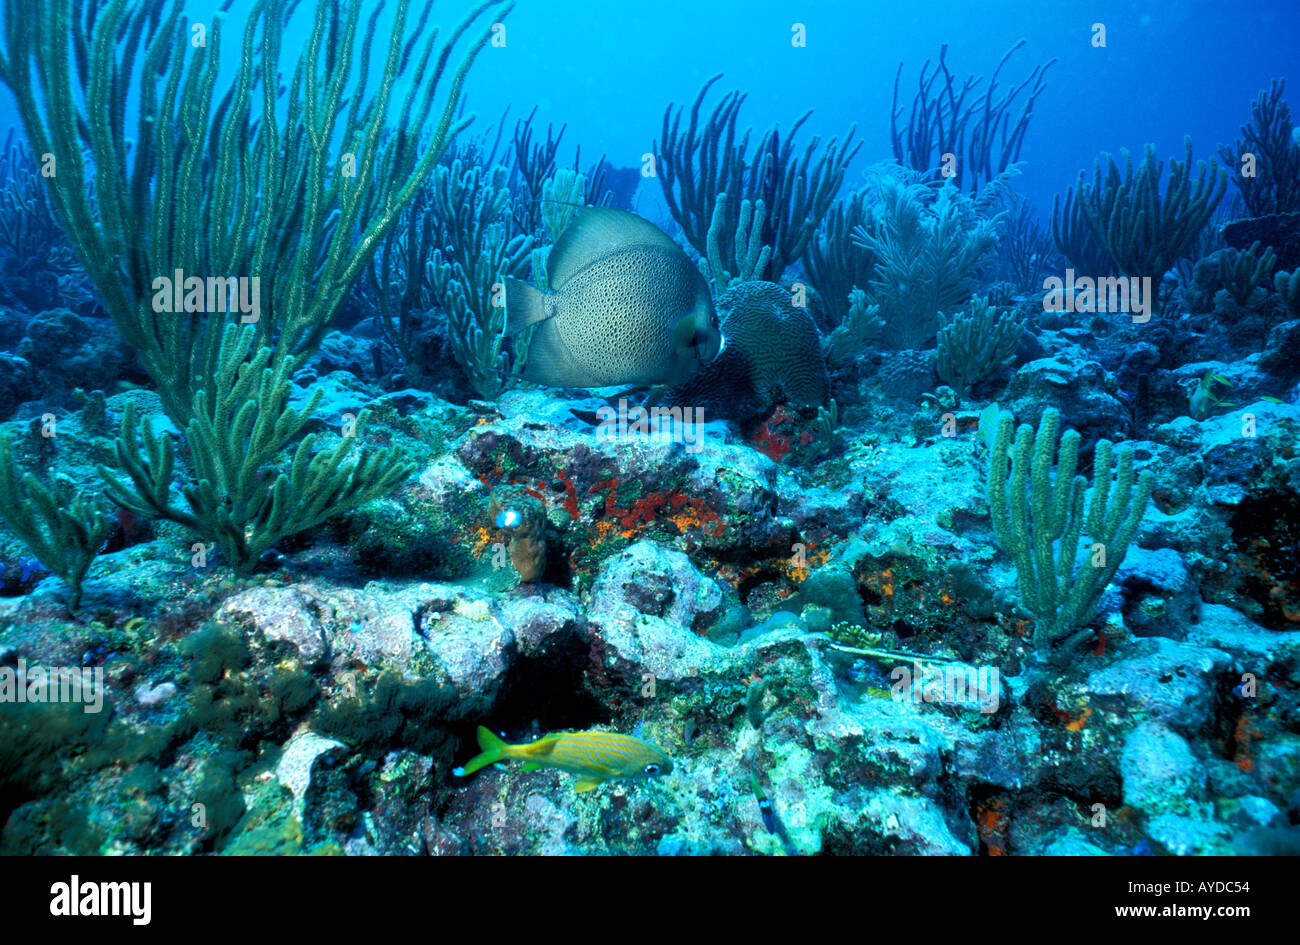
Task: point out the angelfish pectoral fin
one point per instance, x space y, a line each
684 332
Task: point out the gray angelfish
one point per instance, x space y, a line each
627 307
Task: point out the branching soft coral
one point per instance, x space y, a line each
1128 219
927 255
975 344
64 529
704 161
286 186
1274 155
466 271
237 434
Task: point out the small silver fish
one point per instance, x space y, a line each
628 307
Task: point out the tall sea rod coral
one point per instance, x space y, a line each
1037 503
295 189
701 162
960 120
290 190
1128 219
1264 164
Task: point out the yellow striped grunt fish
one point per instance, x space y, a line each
596 757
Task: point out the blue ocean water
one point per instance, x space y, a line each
1167 70
607 72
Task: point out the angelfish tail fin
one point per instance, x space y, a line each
525 305
493 750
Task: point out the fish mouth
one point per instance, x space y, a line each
703 342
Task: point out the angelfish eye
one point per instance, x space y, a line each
651 770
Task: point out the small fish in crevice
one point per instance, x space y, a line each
523 518
765 809
596 757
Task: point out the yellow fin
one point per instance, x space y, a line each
596 232
532 765
586 784
494 749
544 747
